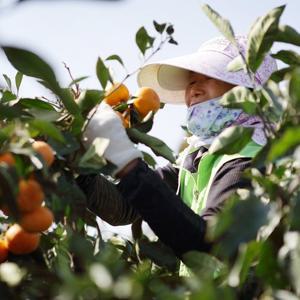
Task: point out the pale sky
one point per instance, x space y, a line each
77 32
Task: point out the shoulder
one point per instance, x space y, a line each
226 181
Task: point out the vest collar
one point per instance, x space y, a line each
192 159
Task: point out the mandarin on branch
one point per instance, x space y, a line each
45 151
38 220
117 93
3 251
30 196
20 241
7 158
146 100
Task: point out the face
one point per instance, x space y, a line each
202 88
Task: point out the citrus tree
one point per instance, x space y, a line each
51 245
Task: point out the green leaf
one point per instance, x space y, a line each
144 126
232 140
289 139
36 103
295 210
93 157
289 57
77 124
77 80
3 136
48 129
18 80
281 74
121 107
248 254
294 88
31 65
88 99
8 188
287 34
117 58
143 40
68 101
70 193
155 144
262 36
240 97
39 109
206 266
157 252
149 159
8 81
237 64
7 131
274 107
160 28
8 112
254 214
102 72
222 24
70 145
268 267
7 96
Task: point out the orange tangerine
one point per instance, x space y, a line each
146 100
3 250
116 94
7 158
45 151
20 241
30 196
38 220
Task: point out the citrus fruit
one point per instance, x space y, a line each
20 241
116 94
7 158
45 151
146 100
38 220
30 196
3 251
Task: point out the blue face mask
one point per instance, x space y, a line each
207 119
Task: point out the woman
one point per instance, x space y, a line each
177 200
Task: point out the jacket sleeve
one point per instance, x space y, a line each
168 216
172 221
169 174
105 201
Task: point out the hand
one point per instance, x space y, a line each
106 123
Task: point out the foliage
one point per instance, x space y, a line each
256 237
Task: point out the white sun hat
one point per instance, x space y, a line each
169 77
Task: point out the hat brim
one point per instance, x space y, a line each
169 78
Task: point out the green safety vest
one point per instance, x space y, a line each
195 187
